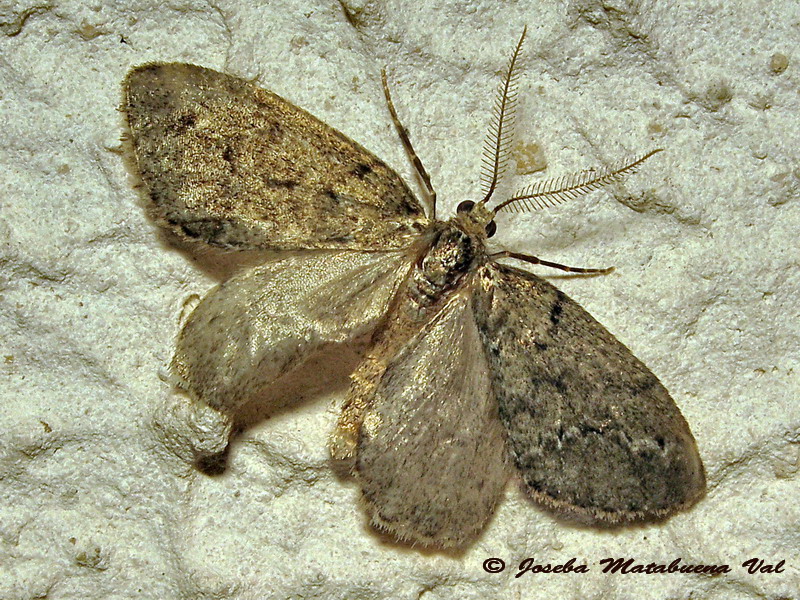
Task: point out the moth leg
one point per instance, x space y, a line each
538 261
403 133
344 440
399 328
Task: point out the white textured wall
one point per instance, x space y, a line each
92 505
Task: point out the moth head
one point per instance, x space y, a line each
476 218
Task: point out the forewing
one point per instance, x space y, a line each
431 454
260 324
592 431
236 166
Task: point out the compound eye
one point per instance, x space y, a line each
465 206
491 229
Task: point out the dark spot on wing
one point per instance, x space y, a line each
288 184
586 429
361 170
642 387
275 133
229 157
185 122
206 230
341 239
536 486
405 204
557 308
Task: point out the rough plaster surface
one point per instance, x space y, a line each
94 505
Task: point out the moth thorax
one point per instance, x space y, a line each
448 258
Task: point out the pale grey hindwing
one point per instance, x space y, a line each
591 430
232 165
431 456
263 322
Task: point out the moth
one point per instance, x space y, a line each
475 367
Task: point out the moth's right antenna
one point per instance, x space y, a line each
498 140
549 192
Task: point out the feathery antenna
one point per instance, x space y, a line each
498 140
550 192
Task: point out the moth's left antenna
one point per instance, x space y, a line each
498 140
403 133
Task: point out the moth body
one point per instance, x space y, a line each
475 369
450 253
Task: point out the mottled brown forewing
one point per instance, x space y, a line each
590 428
236 166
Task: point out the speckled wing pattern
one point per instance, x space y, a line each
431 457
473 365
236 166
590 428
